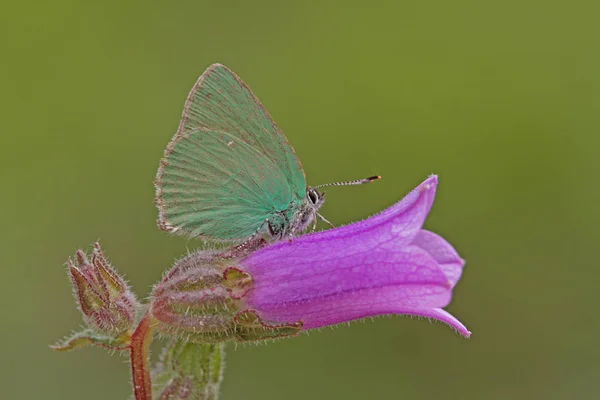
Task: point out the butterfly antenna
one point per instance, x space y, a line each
349 183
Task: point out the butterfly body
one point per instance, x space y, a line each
297 218
229 173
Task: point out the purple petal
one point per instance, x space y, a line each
315 273
400 223
443 252
334 309
350 308
444 316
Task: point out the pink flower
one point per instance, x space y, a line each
386 264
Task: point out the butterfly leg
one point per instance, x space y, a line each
314 227
255 234
270 228
285 217
287 227
325 220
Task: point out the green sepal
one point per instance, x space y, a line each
89 337
249 327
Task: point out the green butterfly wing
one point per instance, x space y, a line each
229 167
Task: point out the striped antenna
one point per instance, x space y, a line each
349 183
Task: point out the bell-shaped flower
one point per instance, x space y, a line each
386 264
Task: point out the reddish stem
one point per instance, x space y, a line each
140 354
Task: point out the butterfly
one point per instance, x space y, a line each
229 173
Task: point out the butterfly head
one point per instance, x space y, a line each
308 211
314 198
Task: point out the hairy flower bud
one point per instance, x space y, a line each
106 302
201 298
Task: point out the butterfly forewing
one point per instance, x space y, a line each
229 167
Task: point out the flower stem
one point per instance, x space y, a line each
140 355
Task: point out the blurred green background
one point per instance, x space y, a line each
501 99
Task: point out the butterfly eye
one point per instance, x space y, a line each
313 196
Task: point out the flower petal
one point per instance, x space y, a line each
314 273
443 316
334 309
443 252
400 223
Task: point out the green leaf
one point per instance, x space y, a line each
188 370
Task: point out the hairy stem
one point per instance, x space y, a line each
140 354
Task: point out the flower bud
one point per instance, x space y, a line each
201 299
106 302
